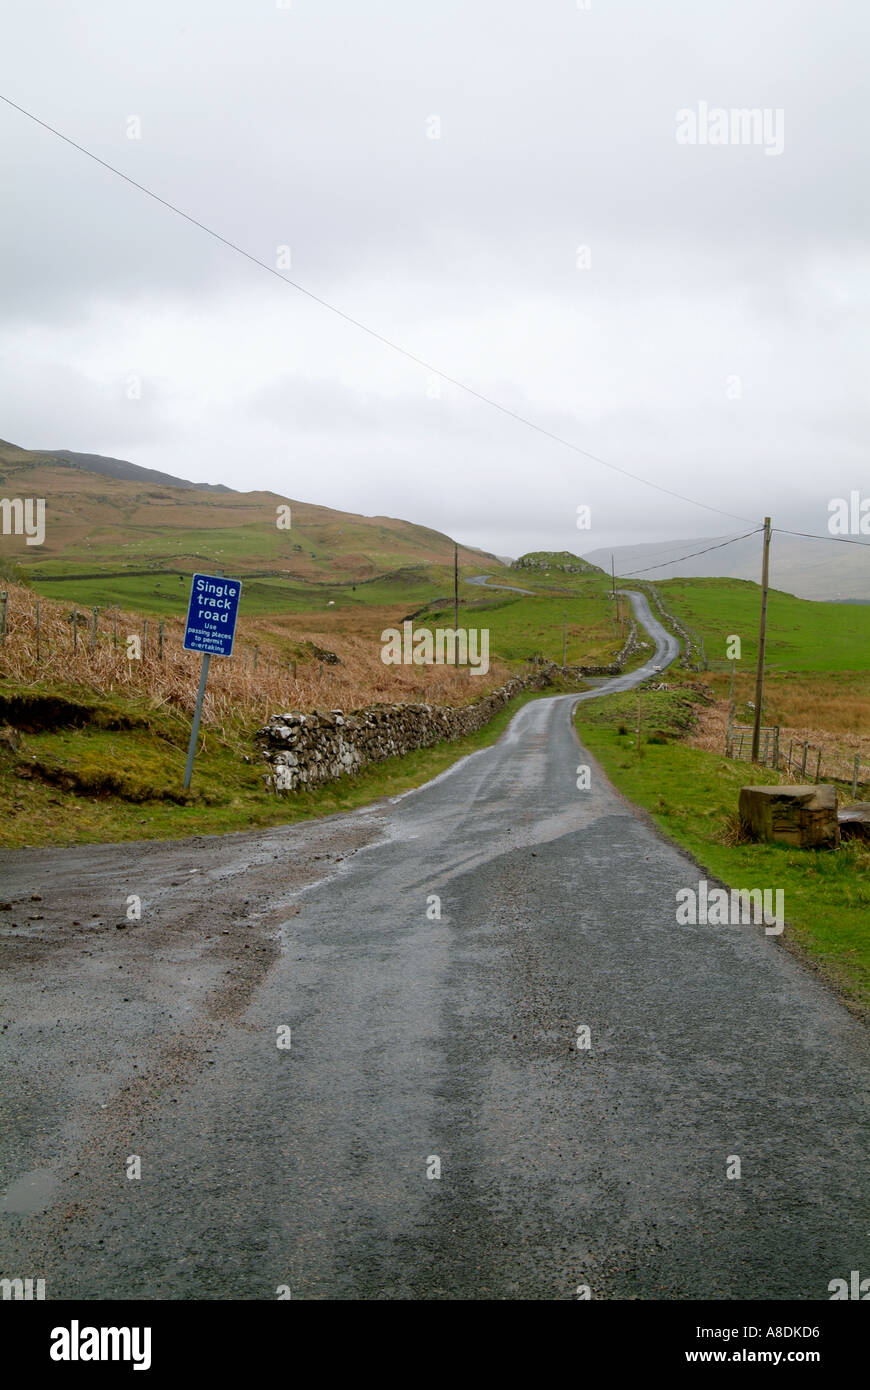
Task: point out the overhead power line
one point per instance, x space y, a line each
668 547
679 558
810 536
357 323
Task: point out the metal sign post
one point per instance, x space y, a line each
211 629
194 733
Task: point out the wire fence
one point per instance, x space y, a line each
111 651
801 760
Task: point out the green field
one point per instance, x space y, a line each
801 635
692 795
521 627
166 594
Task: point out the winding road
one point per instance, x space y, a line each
432 1130
482 580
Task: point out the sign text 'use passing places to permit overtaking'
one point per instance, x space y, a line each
211 615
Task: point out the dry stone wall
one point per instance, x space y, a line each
304 749
692 654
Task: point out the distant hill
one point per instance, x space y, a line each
108 516
813 569
117 468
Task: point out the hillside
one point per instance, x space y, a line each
802 635
117 468
106 518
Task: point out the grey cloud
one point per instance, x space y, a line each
307 127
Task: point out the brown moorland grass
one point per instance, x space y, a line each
237 690
828 711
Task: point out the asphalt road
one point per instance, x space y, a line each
483 581
413 1039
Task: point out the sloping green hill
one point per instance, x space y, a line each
113 524
802 635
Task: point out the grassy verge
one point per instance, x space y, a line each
117 775
692 796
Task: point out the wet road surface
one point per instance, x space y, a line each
432 1130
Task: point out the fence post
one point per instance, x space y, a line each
37 629
160 643
855 779
776 748
93 628
804 761
731 696
75 629
3 616
790 747
818 764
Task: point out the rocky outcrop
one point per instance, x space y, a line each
562 561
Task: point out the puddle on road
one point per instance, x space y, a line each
31 1193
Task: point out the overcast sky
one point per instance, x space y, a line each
712 338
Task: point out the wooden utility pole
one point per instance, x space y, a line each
456 601
455 585
762 632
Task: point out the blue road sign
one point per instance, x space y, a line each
211 615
